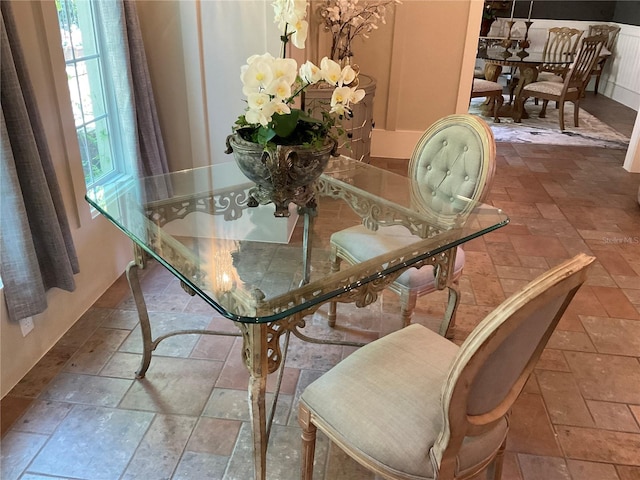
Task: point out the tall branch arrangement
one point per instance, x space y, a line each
347 19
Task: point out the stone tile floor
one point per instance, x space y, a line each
80 414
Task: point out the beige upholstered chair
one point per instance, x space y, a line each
455 157
561 42
413 405
489 89
611 32
572 88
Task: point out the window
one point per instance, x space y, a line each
92 99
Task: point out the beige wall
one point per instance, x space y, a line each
160 22
103 252
422 59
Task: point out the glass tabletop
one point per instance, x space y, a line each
250 265
517 55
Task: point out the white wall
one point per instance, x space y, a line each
103 251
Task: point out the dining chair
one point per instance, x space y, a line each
454 157
611 32
413 405
482 88
573 85
561 42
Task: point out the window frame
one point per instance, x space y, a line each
118 166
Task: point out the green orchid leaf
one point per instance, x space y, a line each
264 134
305 117
284 125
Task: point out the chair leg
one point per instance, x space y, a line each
309 431
495 469
595 89
512 89
543 112
561 116
449 320
576 112
496 108
333 305
408 304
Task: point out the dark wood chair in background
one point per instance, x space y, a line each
611 32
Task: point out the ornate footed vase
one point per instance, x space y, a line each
282 173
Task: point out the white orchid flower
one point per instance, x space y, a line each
339 109
280 8
340 100
285 69
257 101
265 56
356 95
269 109
281 108
258 74
330 71
347 75
300 8
291 14
256 116
299 36
310 73
280 89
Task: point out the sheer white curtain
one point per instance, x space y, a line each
232 31
126 62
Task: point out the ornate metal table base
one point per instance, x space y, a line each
263 351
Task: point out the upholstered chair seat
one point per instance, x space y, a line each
488 89
550 88
361 244
414 406
451 169
399 429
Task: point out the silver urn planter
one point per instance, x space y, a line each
283 173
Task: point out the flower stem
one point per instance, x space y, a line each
284 38
297 92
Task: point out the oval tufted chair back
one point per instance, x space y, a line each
452 166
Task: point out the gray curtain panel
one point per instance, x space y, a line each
36 247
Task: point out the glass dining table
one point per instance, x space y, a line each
265 273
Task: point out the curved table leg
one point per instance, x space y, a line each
528 74
145 327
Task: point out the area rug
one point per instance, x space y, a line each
591 132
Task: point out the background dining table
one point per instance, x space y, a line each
528 64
